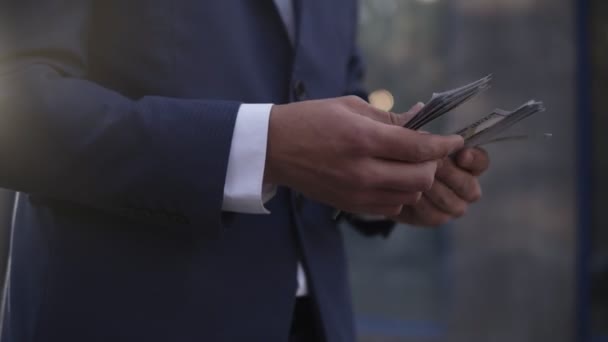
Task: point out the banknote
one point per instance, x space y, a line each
481 125
489 128
521 137
444 102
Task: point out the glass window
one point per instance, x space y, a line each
505 272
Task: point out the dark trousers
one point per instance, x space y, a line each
306 322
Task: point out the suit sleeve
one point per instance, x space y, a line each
153 159
356 75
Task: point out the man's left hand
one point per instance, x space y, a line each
456 186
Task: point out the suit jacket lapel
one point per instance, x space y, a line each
292 37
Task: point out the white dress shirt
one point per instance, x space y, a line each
244 190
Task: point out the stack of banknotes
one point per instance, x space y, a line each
484 131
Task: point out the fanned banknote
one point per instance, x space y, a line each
442 103
490 127
520 137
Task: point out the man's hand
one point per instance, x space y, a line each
456 186
345 153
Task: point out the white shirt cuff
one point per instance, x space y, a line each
244 191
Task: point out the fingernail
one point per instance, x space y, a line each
467 158
459 137
415 108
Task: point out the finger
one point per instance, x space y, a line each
423 214
364 205
474 160
409 115
400 176
444 199
384 198
464 184
398 143
392 198
390 117
386 211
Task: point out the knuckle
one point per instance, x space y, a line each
365 142
443 202
337 106
471 190
354 100
355 175
412 199
460 210
464 186
475 194
422 182
361 140
420 151
427 181
447 169
363 179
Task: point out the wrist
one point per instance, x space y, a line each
272 170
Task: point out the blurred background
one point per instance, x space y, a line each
530 261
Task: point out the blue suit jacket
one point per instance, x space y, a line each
116 119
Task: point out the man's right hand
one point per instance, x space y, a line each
345 153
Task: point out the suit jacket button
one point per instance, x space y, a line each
299 91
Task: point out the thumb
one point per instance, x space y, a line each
434 147
407 116
391 118
404 118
